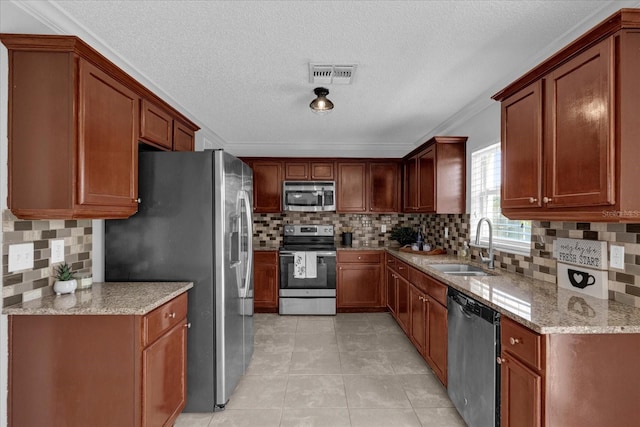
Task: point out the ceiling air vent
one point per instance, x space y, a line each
326 74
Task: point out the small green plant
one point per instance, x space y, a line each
63 272
404 235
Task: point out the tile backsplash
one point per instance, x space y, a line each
624 286
366 228
30 284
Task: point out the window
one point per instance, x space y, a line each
508 235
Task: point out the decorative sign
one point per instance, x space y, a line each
585 253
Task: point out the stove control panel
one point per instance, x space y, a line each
308 230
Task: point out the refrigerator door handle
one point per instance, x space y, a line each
247 211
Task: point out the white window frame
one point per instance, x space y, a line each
485 202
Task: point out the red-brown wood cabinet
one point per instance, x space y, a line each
359 281
76 119
434 176
265 281
98 370
368 186
569 130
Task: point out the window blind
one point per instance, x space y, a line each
508 235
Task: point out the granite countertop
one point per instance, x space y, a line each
360 248
109 298
538 305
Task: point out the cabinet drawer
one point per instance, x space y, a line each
419 279
163 318
521 342
359 257
402 269
438 291
391 262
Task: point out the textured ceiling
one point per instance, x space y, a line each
240 68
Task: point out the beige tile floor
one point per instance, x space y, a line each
348 370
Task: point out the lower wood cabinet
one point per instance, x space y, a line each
586 380
265 281
418 303
98 370
359 281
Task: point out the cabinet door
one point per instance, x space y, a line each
403 307
164 388
521 394
391 289
297 171
322 171
436 347
580 130
352 194
359 285
107 148
410 194
427 180
156 125
522 148
418 312
265 281
267 186
383 187
183 137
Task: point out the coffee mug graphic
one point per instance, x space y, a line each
580 279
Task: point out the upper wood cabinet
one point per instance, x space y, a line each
267 185
160 129
434 178
368 186
570 130
74 126
184 137
299 170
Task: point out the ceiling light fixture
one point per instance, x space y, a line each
321 104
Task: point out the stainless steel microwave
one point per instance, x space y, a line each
309 196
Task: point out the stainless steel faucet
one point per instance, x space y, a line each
489 259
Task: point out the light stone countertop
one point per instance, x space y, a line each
109 298
538 305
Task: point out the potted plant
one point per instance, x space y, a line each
404 235
65 283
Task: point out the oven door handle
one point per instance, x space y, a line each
319 253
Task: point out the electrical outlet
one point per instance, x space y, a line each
617 257
383 228
20 257
57 251
446 232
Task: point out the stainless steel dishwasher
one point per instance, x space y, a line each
473 372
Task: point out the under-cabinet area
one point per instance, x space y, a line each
116 354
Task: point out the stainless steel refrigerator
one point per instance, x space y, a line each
194 223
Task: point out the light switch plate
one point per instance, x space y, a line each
57 251
20 257
617 257
446 232
383 228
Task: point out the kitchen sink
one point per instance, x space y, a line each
460 269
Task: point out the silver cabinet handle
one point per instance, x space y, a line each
532 200
138 200
547 199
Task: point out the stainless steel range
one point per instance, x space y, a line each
308 270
